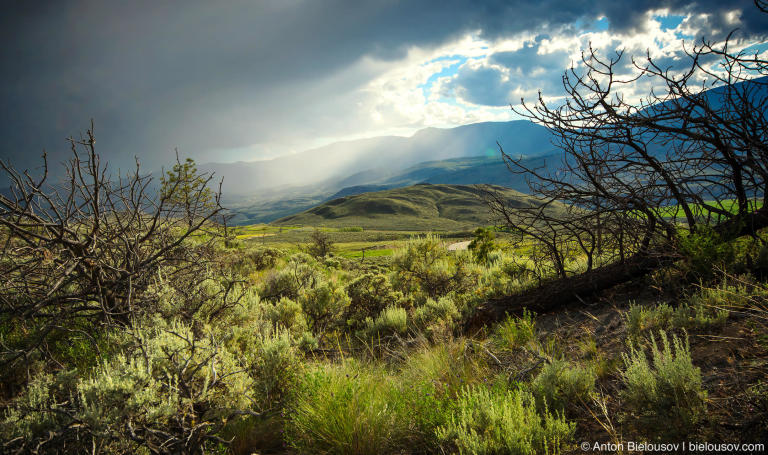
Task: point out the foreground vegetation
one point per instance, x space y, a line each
277 351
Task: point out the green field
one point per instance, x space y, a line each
675 211
373 225
375 242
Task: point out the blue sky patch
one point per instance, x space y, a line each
670 22
450 70
756 48
602 24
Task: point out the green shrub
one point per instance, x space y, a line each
704 250
498 421
702 310
760 267
323 306
640 318
393 320
369 294
515 332
332 263
424 266
514 266
698 316
274 367
482 244
245 323
37 411
308 342
300 273
197 298
286 314
319 245
436 317
504 274
665 399
171 387
709 306
263 257
495 257
267 347
84 350
560 385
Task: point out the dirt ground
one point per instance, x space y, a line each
733 360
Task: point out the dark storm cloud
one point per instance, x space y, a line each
206 76
483 85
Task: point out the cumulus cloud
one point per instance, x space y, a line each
538 64
504 77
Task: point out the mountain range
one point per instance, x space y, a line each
262 191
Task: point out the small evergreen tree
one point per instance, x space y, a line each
185 189
483 243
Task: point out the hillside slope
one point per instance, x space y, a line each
417 207
458 171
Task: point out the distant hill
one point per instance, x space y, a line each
417 207
457 171
464 171
364 161
360 189
263 191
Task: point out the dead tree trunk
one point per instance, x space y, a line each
558 293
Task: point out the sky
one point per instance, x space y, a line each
247 80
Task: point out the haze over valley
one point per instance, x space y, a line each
265 190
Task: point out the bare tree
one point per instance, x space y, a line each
319 245
79 255
632 173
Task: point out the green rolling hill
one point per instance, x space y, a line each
458 171
418 207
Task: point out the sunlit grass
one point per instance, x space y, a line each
368 253
675 211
